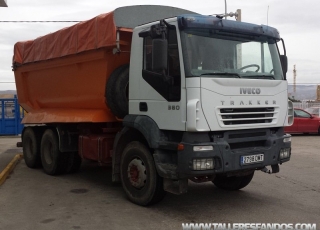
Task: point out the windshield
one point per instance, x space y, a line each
206 54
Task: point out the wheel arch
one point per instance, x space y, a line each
146 126
136 128
125 136
37 129
67 135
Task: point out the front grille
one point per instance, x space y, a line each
243 116
249 144
247 135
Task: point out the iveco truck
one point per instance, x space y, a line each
163 95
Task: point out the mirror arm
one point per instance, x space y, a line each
284 47
167 24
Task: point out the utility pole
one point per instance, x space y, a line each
238 12
294 78
225 9
239 48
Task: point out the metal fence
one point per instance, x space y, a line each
11 115
305 104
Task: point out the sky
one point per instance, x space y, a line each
297 21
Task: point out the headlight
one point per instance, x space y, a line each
285 153
286 139
203 164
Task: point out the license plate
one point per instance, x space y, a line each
252 159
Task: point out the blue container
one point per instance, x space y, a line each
11 115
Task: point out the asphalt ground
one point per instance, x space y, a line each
8 151
30 199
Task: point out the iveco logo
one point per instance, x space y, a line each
250 90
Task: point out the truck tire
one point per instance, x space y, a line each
31 148
139 177
53 161
74 162
117 89
233 182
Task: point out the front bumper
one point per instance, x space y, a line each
228 148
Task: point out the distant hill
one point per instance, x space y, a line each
303 92
7 93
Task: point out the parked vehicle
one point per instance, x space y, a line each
314 111
304 122
203 99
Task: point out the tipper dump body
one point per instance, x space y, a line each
61 77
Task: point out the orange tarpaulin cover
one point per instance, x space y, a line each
95 33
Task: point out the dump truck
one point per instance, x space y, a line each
163 95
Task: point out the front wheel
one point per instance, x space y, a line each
232 182
139 177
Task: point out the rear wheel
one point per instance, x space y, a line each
31 148
233 182
53 161
139 177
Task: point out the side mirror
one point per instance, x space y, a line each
284 64
159 54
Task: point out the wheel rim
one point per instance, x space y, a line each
137 173
48 153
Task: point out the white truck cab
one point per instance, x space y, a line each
210 98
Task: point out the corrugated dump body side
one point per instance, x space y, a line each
61 77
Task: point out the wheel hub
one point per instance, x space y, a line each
137 173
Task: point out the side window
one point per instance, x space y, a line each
168 81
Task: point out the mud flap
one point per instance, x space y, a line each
175 186
274 169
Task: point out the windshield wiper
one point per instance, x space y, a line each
223 74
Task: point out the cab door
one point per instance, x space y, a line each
162 95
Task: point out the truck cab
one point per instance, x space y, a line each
212 94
